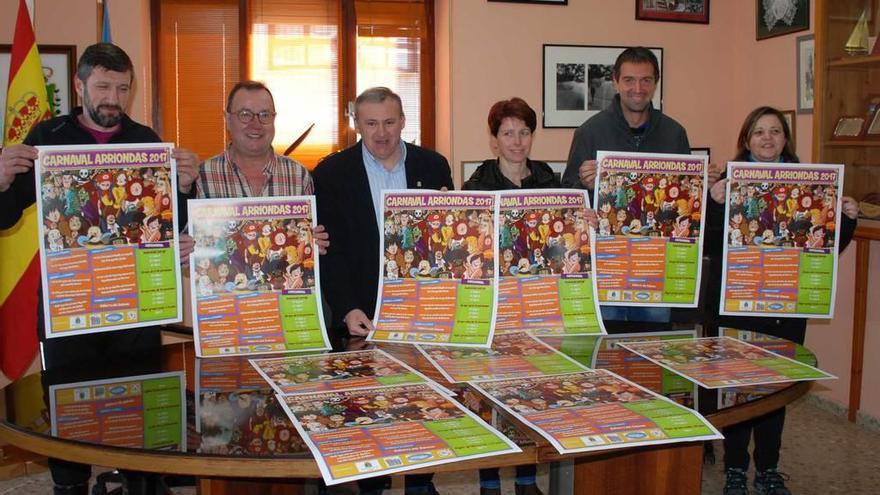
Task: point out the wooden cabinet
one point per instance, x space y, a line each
843 84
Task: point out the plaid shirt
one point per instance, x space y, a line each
220 177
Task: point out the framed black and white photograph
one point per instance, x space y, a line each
696 11
578 82
548 2
778 17
702 151
806 49
468 167
59 69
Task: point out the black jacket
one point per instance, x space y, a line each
609 131
488 177
350 269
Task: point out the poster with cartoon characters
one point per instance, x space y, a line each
716 362
439 268
108 237
649 247
781 239
729 397
378 431
596 410
142 412
605 353
236 412
512 355
335 372
545 269
254 276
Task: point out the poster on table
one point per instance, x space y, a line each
729 397
545 268
254 276
290 375
144 411
781 239
605 353
236 411
596 410
651 211
512 355
108 237
438 272
378 431
716 362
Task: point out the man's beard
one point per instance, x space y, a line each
104 120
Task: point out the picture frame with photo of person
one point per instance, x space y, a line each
578 82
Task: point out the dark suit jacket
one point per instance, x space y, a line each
350 269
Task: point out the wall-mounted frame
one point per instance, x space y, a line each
791 120
778 17
702 151
467 168
805 55
59 69
695 11
545 2
578 85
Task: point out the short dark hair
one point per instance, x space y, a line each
377 94
637 55
248 86
748 126
106 55
514 107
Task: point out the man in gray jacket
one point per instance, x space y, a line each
630 123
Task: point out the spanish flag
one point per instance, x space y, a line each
26 104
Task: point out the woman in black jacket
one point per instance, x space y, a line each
764 137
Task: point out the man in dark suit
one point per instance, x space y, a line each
348 188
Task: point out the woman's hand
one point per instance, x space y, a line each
850 207
719 191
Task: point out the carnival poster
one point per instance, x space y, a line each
254 276
108 237
781 239
716 362
439 268
729 397
651 211
596 410
335 372
143 412
605 353
237 413
546 282
512 355
379 431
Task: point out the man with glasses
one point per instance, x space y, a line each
249 166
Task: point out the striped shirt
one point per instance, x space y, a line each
220 177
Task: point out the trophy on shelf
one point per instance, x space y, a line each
857 44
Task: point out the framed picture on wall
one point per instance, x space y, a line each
673 10
778 17
805 56
701 151
59 69
578 82
791 120
549 2
467 169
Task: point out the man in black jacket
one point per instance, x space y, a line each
103 81
348 190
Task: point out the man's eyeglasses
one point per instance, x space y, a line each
265 117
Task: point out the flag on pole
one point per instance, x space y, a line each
26 104
106 36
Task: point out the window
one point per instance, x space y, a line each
315 56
